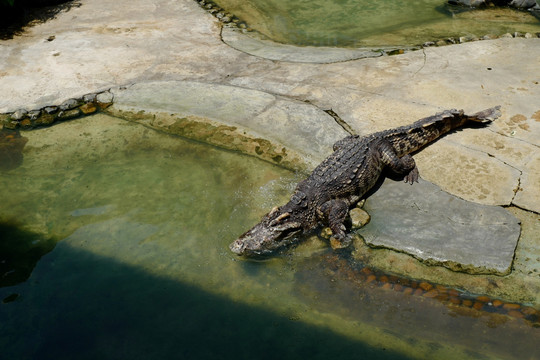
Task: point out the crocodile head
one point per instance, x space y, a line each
275 231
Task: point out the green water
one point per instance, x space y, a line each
141 270
356 23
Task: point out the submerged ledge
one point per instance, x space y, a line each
254 44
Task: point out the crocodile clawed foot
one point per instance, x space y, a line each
412 176
341 242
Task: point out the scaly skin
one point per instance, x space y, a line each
344 177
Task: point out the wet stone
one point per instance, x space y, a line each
88 108
69 104
69 114
26 124
441 229
19 115
45 119
359 218
51 109
89 98
34 114
105 97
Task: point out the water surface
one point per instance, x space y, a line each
140 269
356 23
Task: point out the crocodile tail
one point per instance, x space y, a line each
486 116
407 139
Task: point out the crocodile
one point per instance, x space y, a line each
343 179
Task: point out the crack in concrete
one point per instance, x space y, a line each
340 121
424 64
516 188
515 138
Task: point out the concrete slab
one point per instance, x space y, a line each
441 229
277 129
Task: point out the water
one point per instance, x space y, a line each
140 222
356 23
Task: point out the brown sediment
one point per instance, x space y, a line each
470 304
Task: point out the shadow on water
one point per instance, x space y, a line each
19 252
81 306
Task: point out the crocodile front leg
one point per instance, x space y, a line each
404 165
335 212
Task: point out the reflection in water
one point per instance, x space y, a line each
144 271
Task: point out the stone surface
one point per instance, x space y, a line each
284 52
287 123
441 229
528 193
469 173
359 217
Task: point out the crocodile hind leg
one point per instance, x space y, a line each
401 165
335 212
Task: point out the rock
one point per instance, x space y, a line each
441 43
89 98
511 306
51 109
34 114
45 119
12 125
326 233
88 108
425 286
18 115
69 114
441 229
104 99
359 218
26 124
69 104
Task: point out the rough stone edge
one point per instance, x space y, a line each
212 132
72 108
225 136
454 266
237 34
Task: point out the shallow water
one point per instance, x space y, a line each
356 23
141 268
